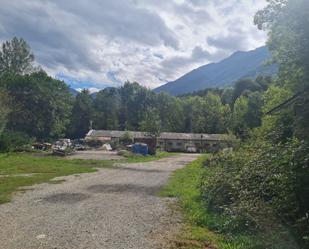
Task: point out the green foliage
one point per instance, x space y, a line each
82 115
209 115
244 86
247 114
126 138
287 24
14 141
106 107
4 109
151 122
133 107
16 57
42 105
171 112
261 187
203 226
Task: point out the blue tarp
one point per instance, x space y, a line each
140 148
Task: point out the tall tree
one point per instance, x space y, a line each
171 114
42 105
16 57
209 115
82 114
287 22
106 109
4 109
151 122
244 86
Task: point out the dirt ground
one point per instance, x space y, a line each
114 208
95 155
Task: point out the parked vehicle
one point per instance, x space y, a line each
191 149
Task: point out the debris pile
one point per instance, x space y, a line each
63 147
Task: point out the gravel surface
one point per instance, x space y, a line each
96 155
112 208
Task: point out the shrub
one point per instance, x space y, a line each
126 139
14 141
261 186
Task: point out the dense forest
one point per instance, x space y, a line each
261 186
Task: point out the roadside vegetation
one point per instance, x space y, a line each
20 170
202 228
206 225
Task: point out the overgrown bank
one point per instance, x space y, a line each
216 197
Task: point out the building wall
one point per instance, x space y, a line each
173 145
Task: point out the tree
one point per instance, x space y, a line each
82 114
151 122
244 86
135 100
240 110
16 57
171 114
277 128
42 105
286 22
4 109
209 115
107 109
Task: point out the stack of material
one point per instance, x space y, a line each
63 147
107 147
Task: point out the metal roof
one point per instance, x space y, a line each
163 135
192 136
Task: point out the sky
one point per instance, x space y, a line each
99 43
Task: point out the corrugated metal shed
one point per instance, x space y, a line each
192 136
116 134
163 135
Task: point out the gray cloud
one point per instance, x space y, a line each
198 55
230 42
138 40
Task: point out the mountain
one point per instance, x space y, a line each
224 73
73 91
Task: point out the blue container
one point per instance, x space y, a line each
140 148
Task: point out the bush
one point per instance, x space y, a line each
261 186
126 139
14 141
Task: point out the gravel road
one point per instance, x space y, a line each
112 208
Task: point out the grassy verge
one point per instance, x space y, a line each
199 230
133 158
19 170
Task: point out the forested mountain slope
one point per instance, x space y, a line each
239 65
